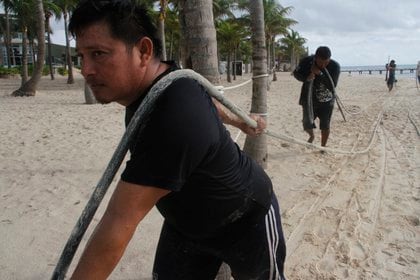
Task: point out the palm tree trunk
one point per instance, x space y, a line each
24 58
70 78
228 77
47 26
32 51
163 4
234 64
7 39
161 28
29 87
293 60
256 147
273 59
171 43
89 97
199 39
268 55
197 27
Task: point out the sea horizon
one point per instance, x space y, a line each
401 70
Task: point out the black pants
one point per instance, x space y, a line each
322 111
255 253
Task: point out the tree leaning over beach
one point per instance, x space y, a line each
28 88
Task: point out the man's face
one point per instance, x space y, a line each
111 70
321 62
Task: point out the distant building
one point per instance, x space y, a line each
16 52
57 52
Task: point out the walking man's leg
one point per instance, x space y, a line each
311 135
324 136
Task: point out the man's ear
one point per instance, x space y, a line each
145 47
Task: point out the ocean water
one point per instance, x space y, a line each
402 70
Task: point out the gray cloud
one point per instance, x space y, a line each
361 32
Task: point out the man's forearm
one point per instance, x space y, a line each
104 249
128 205
226 116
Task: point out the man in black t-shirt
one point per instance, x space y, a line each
319 74
218 204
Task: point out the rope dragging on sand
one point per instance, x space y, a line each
135 126
290 139
335 151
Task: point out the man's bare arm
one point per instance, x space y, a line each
228 117
129 204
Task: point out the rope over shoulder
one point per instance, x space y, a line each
135 126
212 90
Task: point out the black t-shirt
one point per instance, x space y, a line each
185 148
320 89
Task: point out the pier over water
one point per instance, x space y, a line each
405 70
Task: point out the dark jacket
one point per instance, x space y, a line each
303 70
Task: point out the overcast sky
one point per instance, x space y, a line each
360 32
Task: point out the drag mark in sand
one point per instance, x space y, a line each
346 246
297 234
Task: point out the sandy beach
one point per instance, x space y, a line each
349 213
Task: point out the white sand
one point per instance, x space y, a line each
344 216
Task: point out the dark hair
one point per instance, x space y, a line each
127 21
323 52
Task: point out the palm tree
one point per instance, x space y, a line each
50 9
230 34
276 23
23 11
294 43
66 6
89 96
245 50
172 32
199 33
29 87
7 5
161 26
256 147
223 9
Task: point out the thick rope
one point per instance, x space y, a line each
336 151
290 139
222 88
337 99
309 104
135 126
413 123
